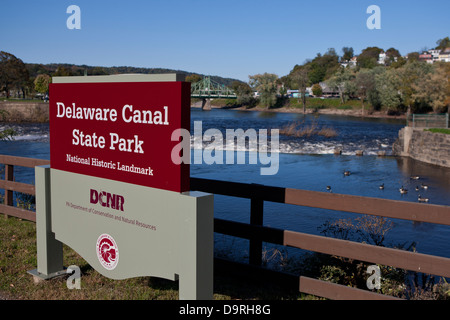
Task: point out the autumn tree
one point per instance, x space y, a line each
13 73
266 85
42 82
192 78
409 76
316 90
432 89
446 68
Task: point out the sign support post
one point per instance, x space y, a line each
49 250
198 279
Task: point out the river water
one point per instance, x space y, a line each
303 163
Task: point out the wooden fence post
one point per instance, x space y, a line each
9 176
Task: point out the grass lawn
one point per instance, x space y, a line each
18 255
438 130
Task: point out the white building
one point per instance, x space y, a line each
382 58
351 63
434 54
444 56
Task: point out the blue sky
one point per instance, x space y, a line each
226 38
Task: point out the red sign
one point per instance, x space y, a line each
120 131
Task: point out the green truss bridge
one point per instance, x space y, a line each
209 89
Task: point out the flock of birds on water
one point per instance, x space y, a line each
402 190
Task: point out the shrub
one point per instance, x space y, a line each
316 90
299 129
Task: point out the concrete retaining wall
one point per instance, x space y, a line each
24 111
425 146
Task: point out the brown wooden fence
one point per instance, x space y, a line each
10 185
257 233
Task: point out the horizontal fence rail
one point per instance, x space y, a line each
10 185
257 233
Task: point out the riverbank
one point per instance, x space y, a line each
325 111
17 111
24 111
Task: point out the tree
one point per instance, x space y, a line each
341 81
398 63
387 84
373 94
446 69
413 56
266 85
6 133
243 92
13 73
323 67
192 78
42 82
301 80
316 72
316 90
365 82
63 72
443 43
432 89
347 53
392 55
369 57
96 71
409 76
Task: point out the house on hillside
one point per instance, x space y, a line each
444 55
434 54
425 56
296 94
350 63
328 92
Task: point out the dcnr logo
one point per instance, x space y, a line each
107 199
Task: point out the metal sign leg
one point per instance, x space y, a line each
49 250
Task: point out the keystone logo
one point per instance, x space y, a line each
107 199
107 251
